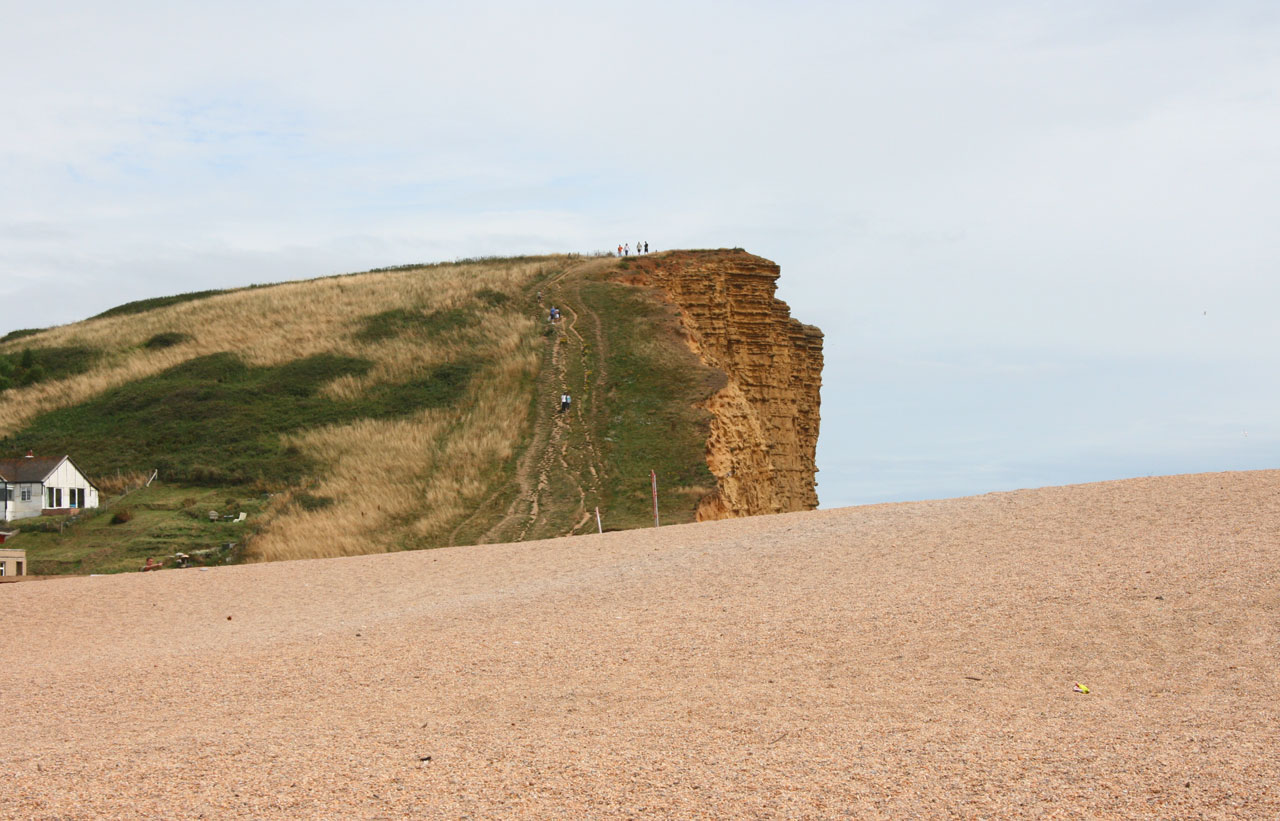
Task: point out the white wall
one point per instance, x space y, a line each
19 509
66 476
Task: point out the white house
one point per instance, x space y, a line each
43 486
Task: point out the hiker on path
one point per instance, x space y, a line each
564 402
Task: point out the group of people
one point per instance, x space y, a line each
555 314
624 250
565 401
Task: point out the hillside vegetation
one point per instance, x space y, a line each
402 408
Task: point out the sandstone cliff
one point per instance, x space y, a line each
765 420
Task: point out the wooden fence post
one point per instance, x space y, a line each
654 478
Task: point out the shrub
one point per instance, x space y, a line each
167 340
216 421
121 516
31 375
38 364
35 525
309 501
491 297
398 321
144 305
19 334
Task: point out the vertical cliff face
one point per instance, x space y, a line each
765 420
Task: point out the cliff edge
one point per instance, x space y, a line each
764 430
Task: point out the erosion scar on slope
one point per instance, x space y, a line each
550 456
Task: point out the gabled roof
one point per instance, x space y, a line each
34 469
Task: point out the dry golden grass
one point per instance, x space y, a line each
117 483
399 483
265 326
396 483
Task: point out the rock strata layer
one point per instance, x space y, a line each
764 430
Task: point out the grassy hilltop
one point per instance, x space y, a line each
395 409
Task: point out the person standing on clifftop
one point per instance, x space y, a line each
638 244
619 250
626 250
646 247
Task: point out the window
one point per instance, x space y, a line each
76 497
26 493
4 494
19 573
3 566
53 497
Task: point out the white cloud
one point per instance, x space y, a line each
942 183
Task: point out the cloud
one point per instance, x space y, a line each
977 189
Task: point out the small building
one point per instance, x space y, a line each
43 486
13 562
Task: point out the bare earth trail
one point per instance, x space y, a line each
562 450
584 454
895 661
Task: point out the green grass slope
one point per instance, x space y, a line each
402 408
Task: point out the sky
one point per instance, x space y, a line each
1040 237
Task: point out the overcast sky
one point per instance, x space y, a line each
1041 237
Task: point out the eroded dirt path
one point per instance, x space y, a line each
558 476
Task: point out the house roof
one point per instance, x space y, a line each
34 469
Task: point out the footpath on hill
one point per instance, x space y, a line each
616 352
